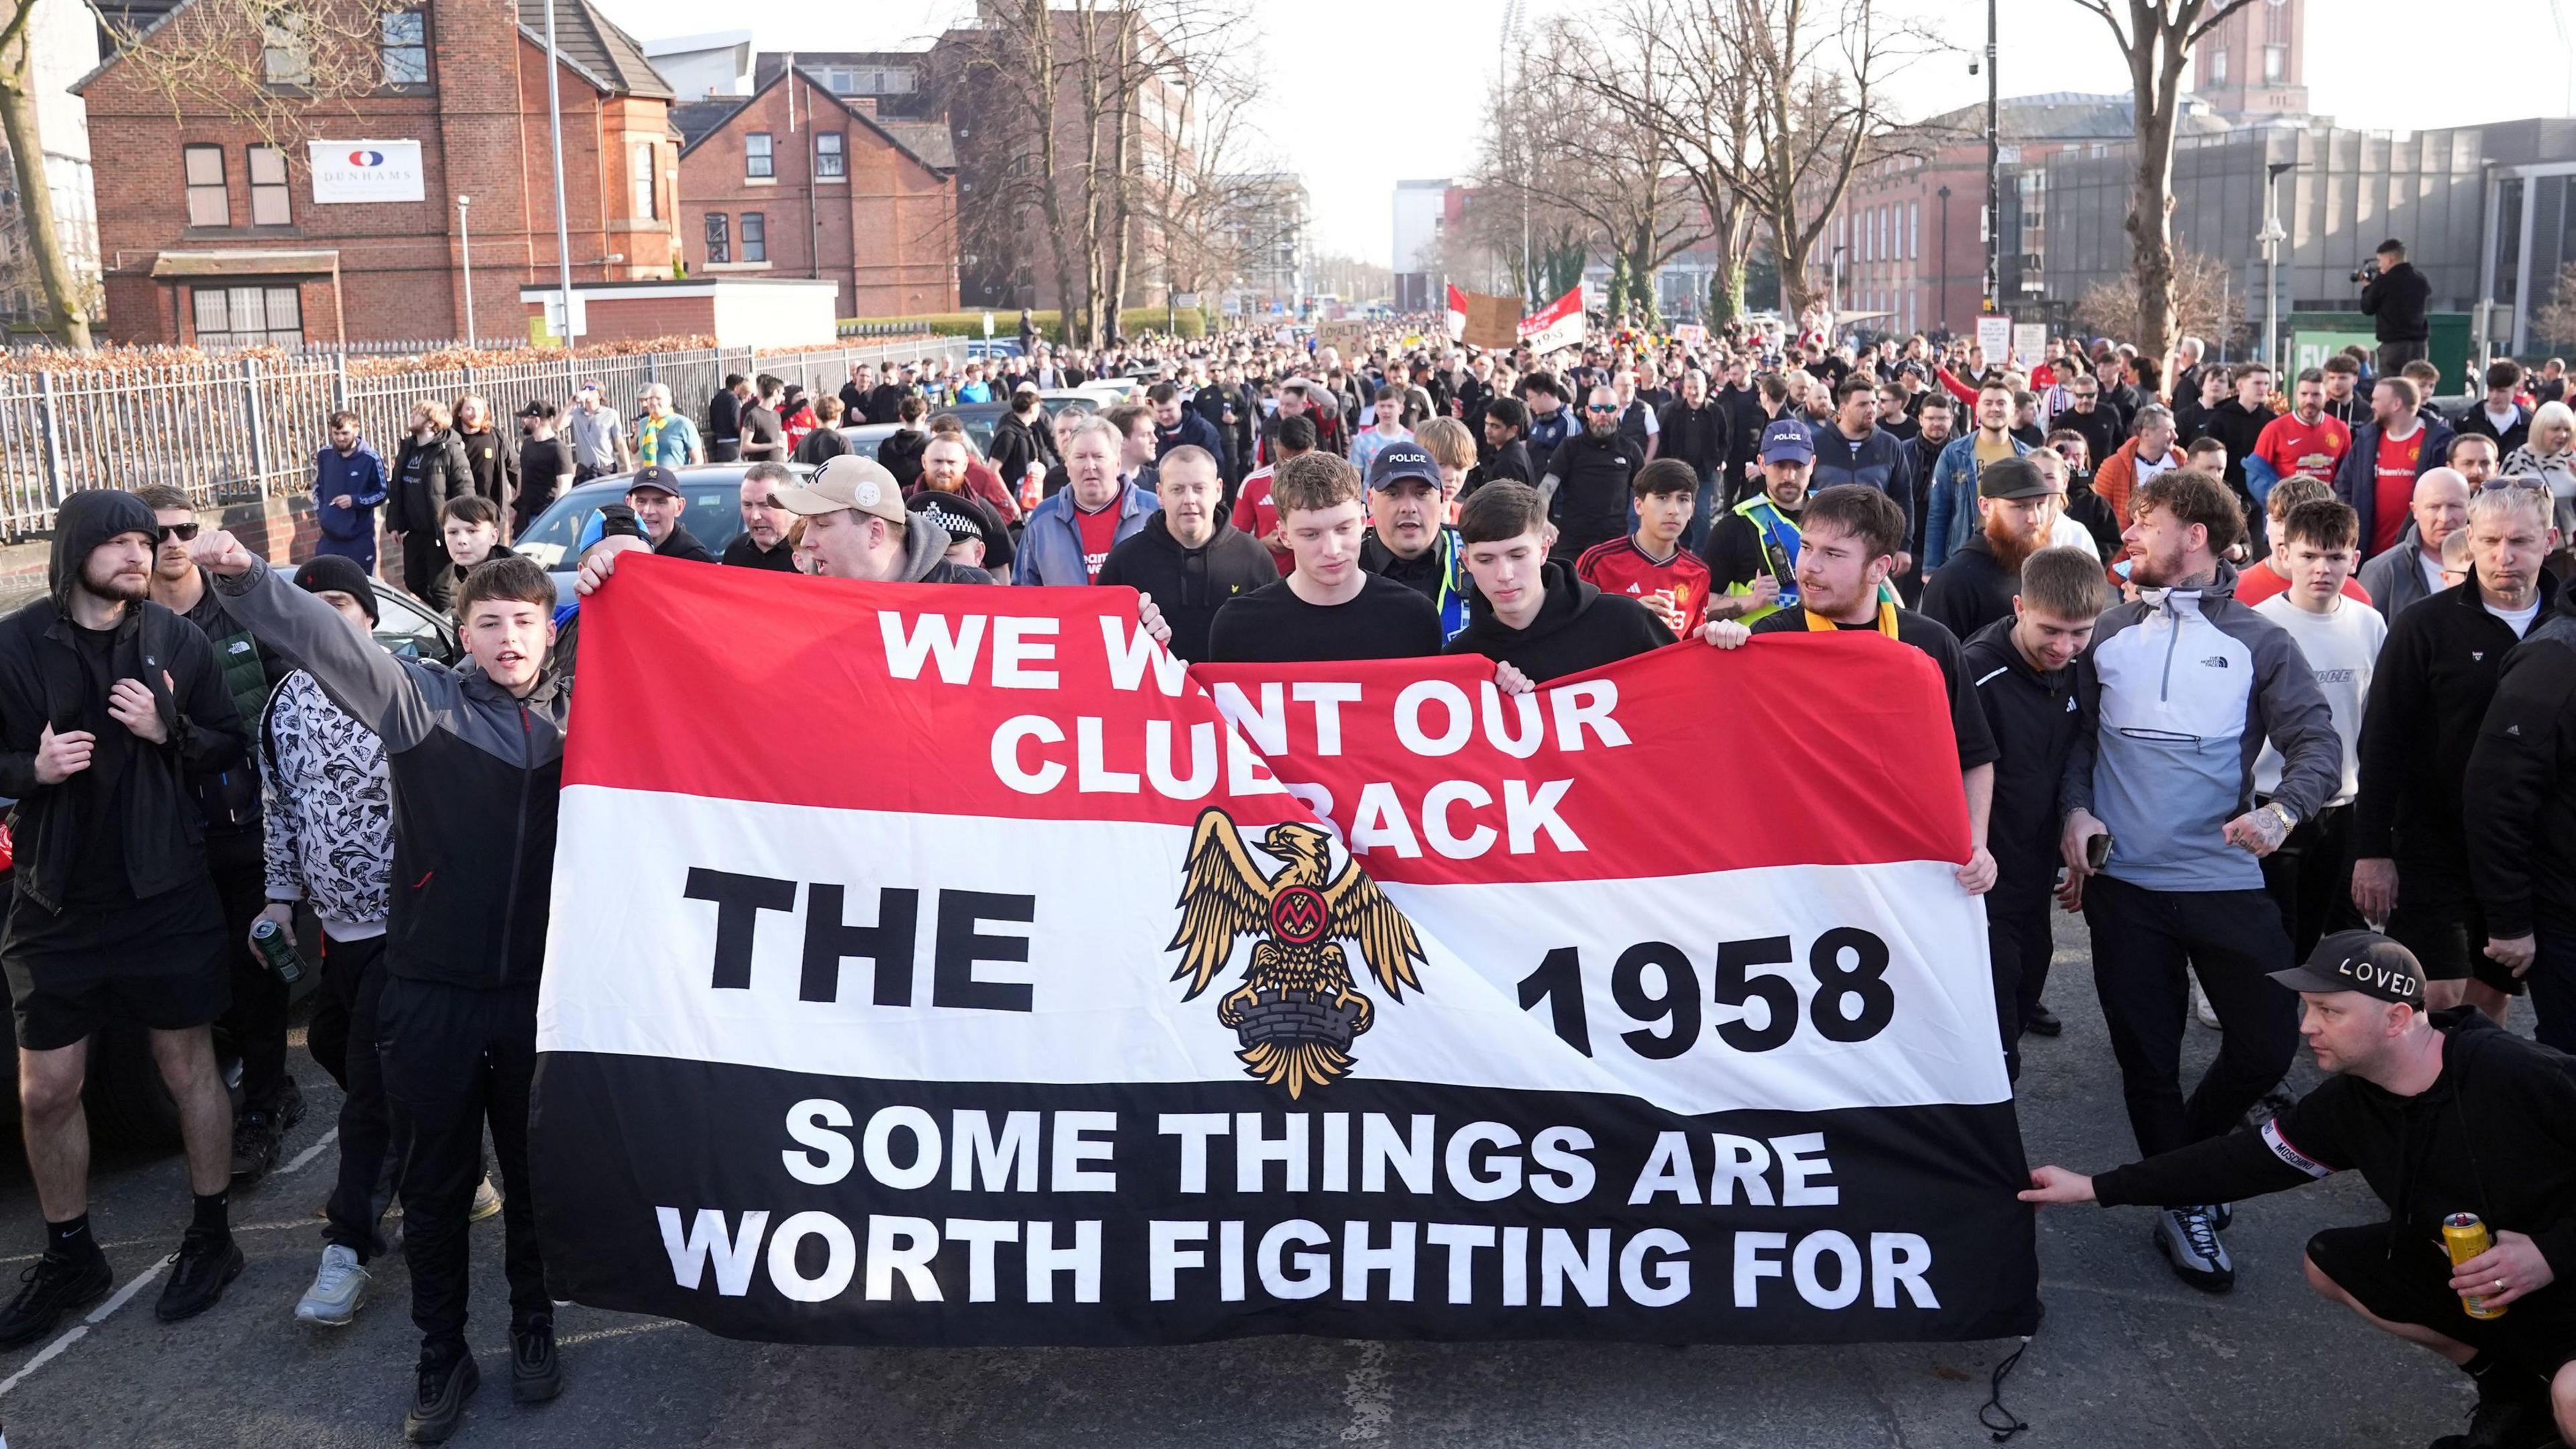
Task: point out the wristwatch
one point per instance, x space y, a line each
2288 820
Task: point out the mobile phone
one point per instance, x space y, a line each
2097 852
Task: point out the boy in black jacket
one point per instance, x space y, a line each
1530 612
2441 1114
476 761
1188 559
2023 672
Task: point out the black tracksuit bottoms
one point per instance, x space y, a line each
2310 878
255 1023
455 1058
2018 948
2143 941
343 1039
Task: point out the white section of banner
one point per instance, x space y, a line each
631 963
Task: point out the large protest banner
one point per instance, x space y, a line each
935 965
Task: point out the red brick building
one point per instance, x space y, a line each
795 180
214 233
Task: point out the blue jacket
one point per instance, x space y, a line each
2356 479
2175 699
1050 549
1194 429
1885 462
1951 514
362 475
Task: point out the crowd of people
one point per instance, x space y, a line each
2268 676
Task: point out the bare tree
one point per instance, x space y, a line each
1518 209
2203 303
2555 321
1612 166
2155 38
44 252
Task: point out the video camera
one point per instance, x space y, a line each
2367 272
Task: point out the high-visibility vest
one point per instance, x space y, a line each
1776 534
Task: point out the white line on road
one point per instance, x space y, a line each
309 1153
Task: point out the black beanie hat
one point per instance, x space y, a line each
330 573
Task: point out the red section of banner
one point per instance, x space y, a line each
1006 702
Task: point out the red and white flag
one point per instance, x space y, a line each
1558 324
1457 314
951 965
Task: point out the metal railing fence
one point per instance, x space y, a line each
238 429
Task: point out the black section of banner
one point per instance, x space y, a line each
1922 1206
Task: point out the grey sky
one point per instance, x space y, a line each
1350 77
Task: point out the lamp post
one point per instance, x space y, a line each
554 122
1941 301
465 262
2270 238
1994 170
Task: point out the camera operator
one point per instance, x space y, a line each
2396 294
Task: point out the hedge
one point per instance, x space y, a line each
1186 322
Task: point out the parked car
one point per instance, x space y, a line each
713 514
991 349
979 418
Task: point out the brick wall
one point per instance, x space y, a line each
482 134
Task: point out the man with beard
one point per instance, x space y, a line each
2306 441
1855 449
1752 551
115 913
2239 423
2179 883
1976 586
762 544
1697 430
2391 451
1587 480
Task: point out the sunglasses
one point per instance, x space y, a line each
184 532
1601 407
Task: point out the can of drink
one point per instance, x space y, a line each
2467 1237
278 950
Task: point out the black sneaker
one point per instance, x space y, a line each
288 1109
439 1401
2507 1422
536 1375
2190 1243
254 1146
56 1285
2042 1022
206 1264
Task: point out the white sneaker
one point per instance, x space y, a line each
339 1286
487 1201
2201 1010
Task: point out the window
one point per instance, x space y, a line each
286 58
405 47
247 316
755 237
204 168
830 164
268 190
759 158
644 165
719 239
1914 231
2276 64
2217 67
845 80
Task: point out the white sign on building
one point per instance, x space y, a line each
365 171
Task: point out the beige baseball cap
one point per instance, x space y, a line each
848 481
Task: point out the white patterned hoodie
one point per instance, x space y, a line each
329 810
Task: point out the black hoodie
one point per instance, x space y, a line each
1189 584
133 791
1970 589
1578 628
2494 1135
2522 785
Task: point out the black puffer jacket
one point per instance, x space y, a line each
445 472
41 684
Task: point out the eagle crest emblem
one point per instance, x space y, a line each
1299 1007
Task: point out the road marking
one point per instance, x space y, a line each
309 1153
1365 1391
80 1330
624 1331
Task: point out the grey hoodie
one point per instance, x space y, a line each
2176 696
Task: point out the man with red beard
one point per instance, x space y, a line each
1977 584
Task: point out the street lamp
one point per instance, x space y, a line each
465 260
1941 302
2270 239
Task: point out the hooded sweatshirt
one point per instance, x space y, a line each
1578 628
127 827
1190 584
2176 696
